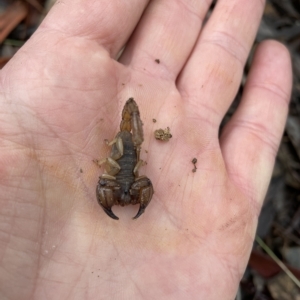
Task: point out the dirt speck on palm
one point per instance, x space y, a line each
194 161
163 134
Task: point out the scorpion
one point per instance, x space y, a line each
121 184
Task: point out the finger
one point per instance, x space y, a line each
213 73
110 23
250 140
165 36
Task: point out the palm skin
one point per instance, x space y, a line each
62 96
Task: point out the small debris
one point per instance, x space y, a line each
81 171
194 161
146 151
163 134
154 120
157 61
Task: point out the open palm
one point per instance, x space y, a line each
62 96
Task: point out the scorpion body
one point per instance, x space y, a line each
122 185
128 161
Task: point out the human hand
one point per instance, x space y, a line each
62 95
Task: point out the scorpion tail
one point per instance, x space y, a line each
131 121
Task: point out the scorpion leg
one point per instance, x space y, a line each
142 191
136 168
111 166
107 191
117 149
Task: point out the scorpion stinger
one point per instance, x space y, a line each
122 185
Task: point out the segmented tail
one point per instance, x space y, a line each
131 121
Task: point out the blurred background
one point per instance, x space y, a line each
273 272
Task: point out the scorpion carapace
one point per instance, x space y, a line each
121 184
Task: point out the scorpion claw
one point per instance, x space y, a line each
143 190
140 212
105 192
109 212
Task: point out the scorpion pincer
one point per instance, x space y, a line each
121 184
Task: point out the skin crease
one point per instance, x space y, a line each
62 95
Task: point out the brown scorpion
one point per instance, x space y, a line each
121 184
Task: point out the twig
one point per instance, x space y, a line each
277 260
